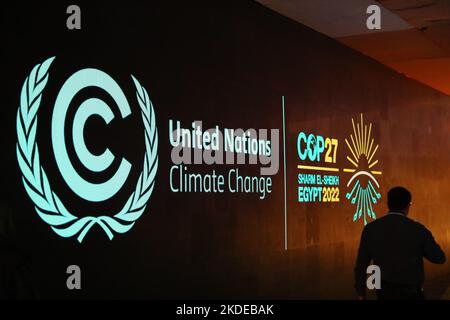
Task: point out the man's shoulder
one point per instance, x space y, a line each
377 222
388 218
419 226
374 225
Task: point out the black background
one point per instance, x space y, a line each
187 57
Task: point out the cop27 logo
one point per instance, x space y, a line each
46 201
363 184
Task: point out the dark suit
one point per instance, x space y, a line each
397 245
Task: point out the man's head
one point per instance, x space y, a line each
399 200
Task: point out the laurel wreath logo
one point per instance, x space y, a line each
47 204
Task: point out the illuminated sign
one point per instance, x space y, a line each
217 147
313 185
319 177
363 184
47 203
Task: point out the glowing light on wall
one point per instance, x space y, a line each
363 184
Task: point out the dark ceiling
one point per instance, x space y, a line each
414 39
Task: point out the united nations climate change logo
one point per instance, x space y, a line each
47 203
363 185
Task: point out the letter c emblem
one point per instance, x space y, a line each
94 192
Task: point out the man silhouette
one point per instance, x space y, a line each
397 245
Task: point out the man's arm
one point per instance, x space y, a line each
362 262
431 250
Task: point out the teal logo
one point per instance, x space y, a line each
364 186
46 201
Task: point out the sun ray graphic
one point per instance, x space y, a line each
363 185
